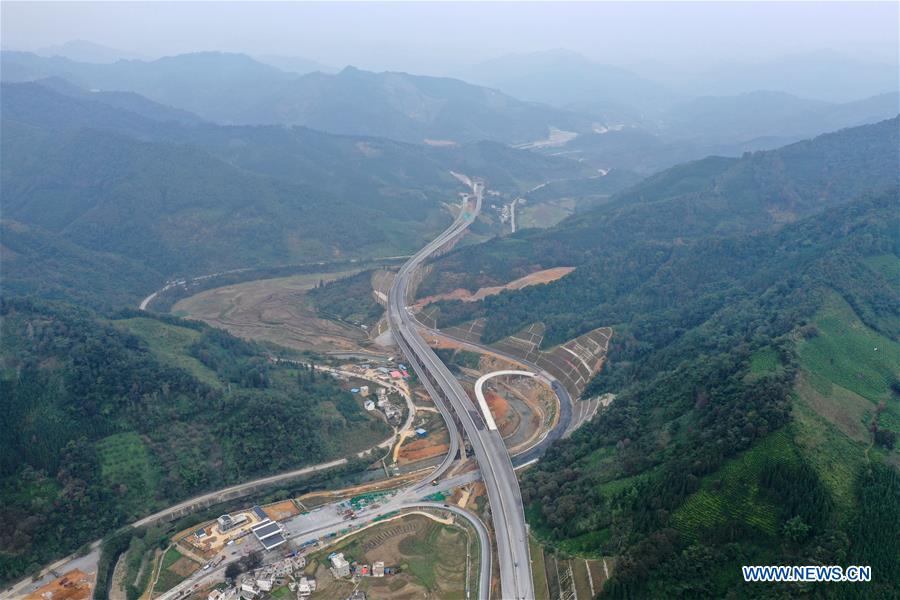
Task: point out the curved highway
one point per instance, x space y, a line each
484 544
491 454
205 577
496 467
562 394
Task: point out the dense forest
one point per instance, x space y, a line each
129 195
711 197
347 299
753 372
754 367
107 419
704 365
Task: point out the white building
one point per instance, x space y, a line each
378 569
339 565
227 522
305 587
249 590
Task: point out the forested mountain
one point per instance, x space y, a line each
755 376
769 116
85 51
825 75
213 85
623 120
40 262
235 89
713 196
753 362
106 420
165 197
409 107
569 80
719 125
128 101
294 64
753 421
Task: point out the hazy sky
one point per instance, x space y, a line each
439 36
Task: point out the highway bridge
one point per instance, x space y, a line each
493 459
494 462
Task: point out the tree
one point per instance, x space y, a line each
232 571
796 530
251 561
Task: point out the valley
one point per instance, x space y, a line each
276 311
504 301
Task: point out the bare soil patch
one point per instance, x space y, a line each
507 419
538 277
184 566
420 450
74 585
275 310
281 510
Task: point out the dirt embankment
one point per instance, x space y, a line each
536 278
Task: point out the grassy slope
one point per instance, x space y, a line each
847 354
732 494
842 381
170 344
127 463
182 432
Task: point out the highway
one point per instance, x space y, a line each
565 399
479 393
493 459
496 467
335 524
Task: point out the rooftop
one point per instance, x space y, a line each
266 529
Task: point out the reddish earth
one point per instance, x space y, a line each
500 410
281 510
74 585
421 449
538 277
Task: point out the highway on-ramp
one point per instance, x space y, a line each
399 505
496 467
493 459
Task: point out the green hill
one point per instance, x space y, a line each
749 394
38 262
715 196
107 420
164 199
754 366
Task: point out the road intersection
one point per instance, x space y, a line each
496 466
507 513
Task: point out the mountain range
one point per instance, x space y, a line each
170 195
608 116
752 374
742 248
235 89
713 196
